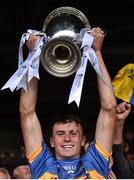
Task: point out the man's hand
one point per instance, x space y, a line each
122 111
31 42
98 35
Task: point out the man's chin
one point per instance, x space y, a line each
65 156
68 156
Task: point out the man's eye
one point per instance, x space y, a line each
60 133
74 133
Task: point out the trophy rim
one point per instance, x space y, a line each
66 10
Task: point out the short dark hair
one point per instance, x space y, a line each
64 119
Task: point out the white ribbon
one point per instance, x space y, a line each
30 67
75 93
88 54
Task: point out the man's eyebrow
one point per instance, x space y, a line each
60 131
74 130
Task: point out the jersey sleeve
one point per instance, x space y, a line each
43 164
96 161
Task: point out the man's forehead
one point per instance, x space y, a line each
67 125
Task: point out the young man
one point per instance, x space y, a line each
123 168
67 134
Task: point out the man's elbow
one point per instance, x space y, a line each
26 110
109 106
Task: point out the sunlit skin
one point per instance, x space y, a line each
67 140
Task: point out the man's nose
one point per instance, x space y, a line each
67 138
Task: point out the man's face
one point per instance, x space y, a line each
67 140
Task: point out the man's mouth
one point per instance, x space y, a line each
67 146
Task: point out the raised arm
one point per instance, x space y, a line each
30 124
122 111
106 119
121 165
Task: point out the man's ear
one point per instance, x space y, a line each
83 141
51 142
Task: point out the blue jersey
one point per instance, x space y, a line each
94 164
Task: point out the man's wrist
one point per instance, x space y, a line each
118 147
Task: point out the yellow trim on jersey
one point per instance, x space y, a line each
102 151
95 175
48 176
35 154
